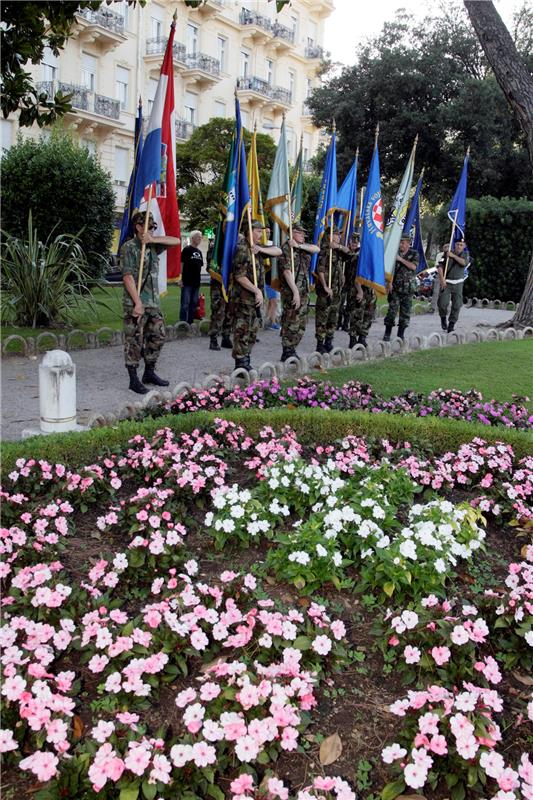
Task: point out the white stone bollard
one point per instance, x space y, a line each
57 392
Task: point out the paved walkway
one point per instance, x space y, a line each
102 380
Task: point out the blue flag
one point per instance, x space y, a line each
132 200
238 199
413 229
327 197
346 216
457 212
371 268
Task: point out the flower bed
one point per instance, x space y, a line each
312 393
135 665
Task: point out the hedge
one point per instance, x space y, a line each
498 233
313 426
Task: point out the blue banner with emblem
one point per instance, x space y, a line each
371 268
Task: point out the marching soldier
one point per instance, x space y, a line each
403 288
144 326
328 297
451 285
220 311
362 300
294 290
246 295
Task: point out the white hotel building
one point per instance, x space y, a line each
115 54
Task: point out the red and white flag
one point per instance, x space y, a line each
164 203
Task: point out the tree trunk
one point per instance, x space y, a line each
516 83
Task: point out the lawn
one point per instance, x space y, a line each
496 369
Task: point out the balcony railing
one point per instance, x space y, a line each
203 62
104 17
255 84
83 99
282 32
184 129
315 51
251 18
157 46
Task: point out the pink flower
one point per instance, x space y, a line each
325 784
492 763
438 745
277 789
392 753
242 784
43 765
199 640
137 759
203 754
98 663
411 654
321 645
246 749
508 780
7 742
415 776
441 655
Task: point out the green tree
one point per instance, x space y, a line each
65 189
200 166
431 79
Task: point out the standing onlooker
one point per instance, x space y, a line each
144 326
192 262
451 285
403 288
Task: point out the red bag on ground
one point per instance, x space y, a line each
200 308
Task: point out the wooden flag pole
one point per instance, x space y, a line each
254 268
331 232
347 237
143 245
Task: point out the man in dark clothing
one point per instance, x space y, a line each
192 262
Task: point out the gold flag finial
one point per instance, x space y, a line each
175 15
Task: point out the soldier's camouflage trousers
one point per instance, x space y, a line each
144 337
293 321
361 311
326 315
245 328
220 322
402 303
453 292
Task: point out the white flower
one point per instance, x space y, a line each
408 549
383 542
300 557
321 550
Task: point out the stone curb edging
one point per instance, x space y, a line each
294 367
109 337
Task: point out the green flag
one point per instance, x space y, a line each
218 249
277 202
296 191
396 219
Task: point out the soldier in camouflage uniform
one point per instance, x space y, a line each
294 290
451 285
247 296
362 299
403 288
328 297
144 326
220 312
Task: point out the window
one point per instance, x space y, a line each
294 26
6 134
290 144
152 89
270 71
192 39
221 45
268 124
90 145
49 65
156 22
245 64
292 83
308 87
122 87
122 9
191 107
312 33
88 71
245 117
122 159
220 109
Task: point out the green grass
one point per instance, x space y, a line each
496 369
312 426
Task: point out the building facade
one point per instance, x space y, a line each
115 55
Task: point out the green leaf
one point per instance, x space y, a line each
299 582
388 588
302 643
458 792
149 790
393 789
215 792
129 792
263 757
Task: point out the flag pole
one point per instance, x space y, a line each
347 237
454 225
143 245
331 231
289 207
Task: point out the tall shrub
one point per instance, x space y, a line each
64 188
499 237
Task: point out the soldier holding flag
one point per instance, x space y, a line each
330 280
294 289
403 288
451 283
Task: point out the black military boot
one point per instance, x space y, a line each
213 343
328 344
401 331
451 327
444 324
135 384
247 364
240 363
320 348
388 331
353 341
285 353
151 377
226 343
362 340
